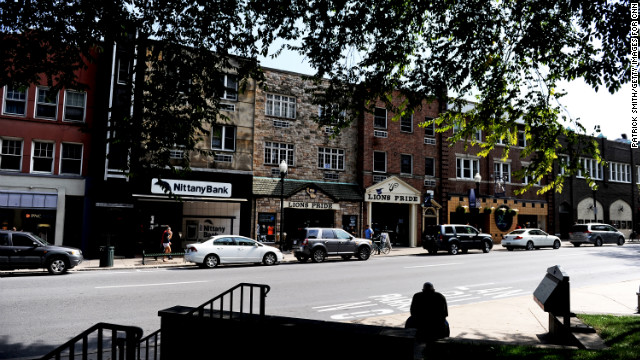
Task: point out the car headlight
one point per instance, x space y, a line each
74 252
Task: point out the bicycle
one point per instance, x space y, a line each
380 246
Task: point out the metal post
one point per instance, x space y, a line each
283 174
595 207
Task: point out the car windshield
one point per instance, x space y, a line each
40 239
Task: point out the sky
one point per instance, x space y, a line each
611 112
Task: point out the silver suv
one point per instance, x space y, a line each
24 250
596 234
318 243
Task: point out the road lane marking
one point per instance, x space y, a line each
144 285
343 306
423 266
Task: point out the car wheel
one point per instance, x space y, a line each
577 244
620 241
529 245
269 259
318 255
598 242
487 246
346 257
364 253
302 259
509 248
211 261
57 266
556 244
453 249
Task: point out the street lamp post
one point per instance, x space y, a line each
478 179
595 207
283 174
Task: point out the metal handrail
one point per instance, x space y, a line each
154 338
209 305
121 348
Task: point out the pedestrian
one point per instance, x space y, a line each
429 314
368 233
166 242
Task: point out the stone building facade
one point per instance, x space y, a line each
320 186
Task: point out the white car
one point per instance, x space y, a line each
228 249
530 239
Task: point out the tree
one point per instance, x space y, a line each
508 55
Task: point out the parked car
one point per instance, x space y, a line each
228 249
24 250
318 243
530 239
596 234
455 238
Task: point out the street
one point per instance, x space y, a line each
39 312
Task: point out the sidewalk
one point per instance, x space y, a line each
515 320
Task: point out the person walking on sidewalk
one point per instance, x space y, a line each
166 242
429 314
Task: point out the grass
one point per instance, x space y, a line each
620 333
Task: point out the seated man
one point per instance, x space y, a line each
429 314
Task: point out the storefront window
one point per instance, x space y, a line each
350 224
266 227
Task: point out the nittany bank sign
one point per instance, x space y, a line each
191 188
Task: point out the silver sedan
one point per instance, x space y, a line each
226 249
530 239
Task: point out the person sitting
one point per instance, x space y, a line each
429 314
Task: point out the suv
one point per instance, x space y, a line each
455 238
318 243
596 234
24 250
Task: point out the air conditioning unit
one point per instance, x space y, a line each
430 182
379 178
380 134
281 124
429 141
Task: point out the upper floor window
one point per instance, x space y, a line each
406 164
467 168
223 137
429 166
380 118
620 172
46 103
281 106
42 157
230 84
74 106
11 155
522 139
124 70
406 123
275 152
15 100
477 135
331 159
502 171
429 130
71 159
563 163
379 161
591 168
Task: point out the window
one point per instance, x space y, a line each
620 172
281 106
502 171
406 123
274 153
379 161
42 157
477 135
563 162
74 105
467 168
590 167
429 166
429 130
331 159
223 138
230 84
11 156
22 240
15 100
330 110
46 103
406 164
123 70
71 159
224 242
522 139
380 118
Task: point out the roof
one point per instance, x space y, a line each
263 186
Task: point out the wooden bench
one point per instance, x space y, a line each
159 254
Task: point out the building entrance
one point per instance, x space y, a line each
393 219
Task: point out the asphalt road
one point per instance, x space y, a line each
39 312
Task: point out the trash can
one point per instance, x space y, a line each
106 256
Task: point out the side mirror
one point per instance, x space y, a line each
36 244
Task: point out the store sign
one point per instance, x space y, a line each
191 188
311 205
391 191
